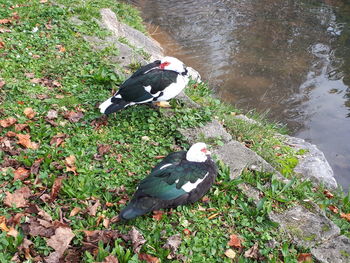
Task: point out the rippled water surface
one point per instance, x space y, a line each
288 57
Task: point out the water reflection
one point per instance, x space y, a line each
290 58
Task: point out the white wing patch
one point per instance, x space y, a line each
165 165
188 187
148 88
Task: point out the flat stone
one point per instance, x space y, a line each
307 227
135 37
336 250
313 164
212 130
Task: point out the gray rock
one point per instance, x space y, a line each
307 227
313 164
336 250
135 37
246 119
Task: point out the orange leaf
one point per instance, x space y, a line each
334 209
7 122
70 164
21 174
328 194
148 258
159 157
5 21
24 140
3 226
2 44
75 211
304 257
11 134
157 215
29 112
345 216
187 232
235 241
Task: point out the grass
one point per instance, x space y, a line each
67 75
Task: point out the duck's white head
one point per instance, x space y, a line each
198 153
171 63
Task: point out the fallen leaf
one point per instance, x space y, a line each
73 116
93 209
305 258
99 122
16 219
235 241
70 164
61 48
20 174
136 238
56 187
4 30
29 75
60 240
93 237
18 198
75 211
34 169
58 139
187 232
252 252
2 82
7 122
25 247
110 259
29 112
34 227
43 1
157 215
21 127
24 140
333 208
103 149
173 244
106 222
11 134
345 216
159 157
51 114
3 225
12 232
5 21
328 194
2 44
148 258
230 253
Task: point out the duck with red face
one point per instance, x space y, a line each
180 178
158 81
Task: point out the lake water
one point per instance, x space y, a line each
286 57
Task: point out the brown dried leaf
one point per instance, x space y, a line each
75 211
4 30
173 244
11 134
106 236
34 169
60 240
73 116
25 247
70 164
58 139
7 122
148 258
328 194
18 198
42 228
103 149
110 259
56 187
253 252
29 112
99 122
92 210
235 241
61 48
5 21
2 44
106 222
21 127
20 174
159 157
51 114
12 232
137 239
334 209
230 253
157 215
305 258
345 216
24 140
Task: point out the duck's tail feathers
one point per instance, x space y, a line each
113 104
138 207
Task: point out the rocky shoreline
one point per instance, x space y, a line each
307 225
